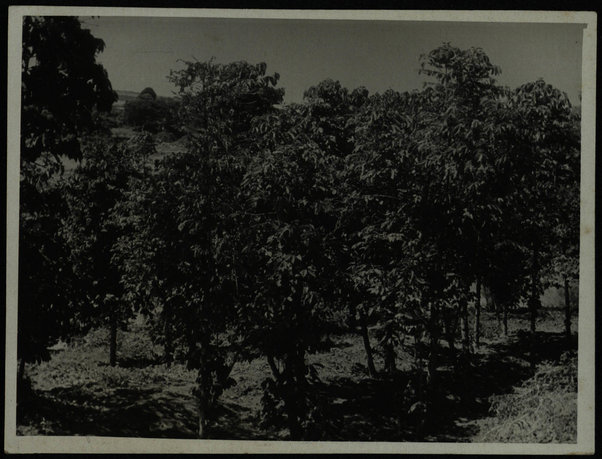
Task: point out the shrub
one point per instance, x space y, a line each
143 113
542 410
148 93
150 114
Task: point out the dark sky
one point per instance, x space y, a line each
140 51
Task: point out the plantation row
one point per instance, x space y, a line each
392 209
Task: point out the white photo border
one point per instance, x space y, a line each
586 325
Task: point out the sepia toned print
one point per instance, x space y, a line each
300 232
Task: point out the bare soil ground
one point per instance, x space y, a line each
77 393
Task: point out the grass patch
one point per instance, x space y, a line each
543 409
76 392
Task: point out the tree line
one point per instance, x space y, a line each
393 210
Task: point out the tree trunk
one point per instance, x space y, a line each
497 314
567 310
21 370
203 395
202 425
433 345
389 356
294 390
505 309
113 339
417 358
294 426
366 338
202 433
465 327
431 379
477 319
168 343
451 325
488 300
533 307
532 319
274 368
534 303
451 341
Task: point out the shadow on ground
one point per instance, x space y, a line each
148 412
368 410
351 409
464 394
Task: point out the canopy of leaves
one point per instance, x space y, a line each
148 93
219 101
62 85
277 217
151 115
187 213
92 228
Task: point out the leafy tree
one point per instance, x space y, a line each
61 83
461 149
148 93
45 277
292 189
544 146
93 192
61 87
373 214
563 270
506 277
187 219
429 185
219 102
149 255
291 198
152 115
327 118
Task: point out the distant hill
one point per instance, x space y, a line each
125 95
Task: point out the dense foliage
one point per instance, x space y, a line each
277 220
61 88
93 226
151 114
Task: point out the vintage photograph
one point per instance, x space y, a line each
300 229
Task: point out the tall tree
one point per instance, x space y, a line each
373 213
460 145
544 146
289 193
292 190
93 192
187 216
61 87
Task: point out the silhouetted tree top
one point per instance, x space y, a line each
148 93
62 84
